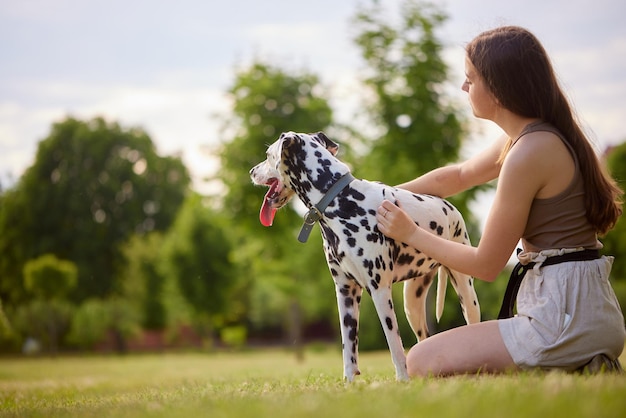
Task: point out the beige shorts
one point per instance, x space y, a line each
567 313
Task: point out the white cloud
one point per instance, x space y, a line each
177 119
165 68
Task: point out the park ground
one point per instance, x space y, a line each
274 383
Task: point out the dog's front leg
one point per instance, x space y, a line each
386 313
348 301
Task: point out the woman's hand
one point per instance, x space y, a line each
395 223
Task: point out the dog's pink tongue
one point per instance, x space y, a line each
267 212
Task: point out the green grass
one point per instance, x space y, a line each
271 383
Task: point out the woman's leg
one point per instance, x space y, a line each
466 349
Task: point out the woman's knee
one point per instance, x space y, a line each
467 349
422 361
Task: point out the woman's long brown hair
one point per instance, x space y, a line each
518 72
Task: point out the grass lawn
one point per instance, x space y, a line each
271 383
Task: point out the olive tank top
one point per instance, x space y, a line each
559 221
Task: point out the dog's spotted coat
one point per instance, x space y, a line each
358 254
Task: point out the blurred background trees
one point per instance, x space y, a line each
267 101
102 239
93 184
615 241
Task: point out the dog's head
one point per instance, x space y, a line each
285 169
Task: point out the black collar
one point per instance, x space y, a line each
315 213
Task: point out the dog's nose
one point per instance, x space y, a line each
252 170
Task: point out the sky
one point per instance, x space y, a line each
165 66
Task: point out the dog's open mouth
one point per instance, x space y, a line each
267 211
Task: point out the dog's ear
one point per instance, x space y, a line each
290 143
331 146
288 139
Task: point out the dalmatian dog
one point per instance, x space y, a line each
359 256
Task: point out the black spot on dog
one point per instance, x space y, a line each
352 227
389 323
435 227
405 258
374 237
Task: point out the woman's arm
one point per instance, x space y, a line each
520 179
450 180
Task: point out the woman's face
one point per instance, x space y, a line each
481 100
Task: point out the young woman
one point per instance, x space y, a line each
553 195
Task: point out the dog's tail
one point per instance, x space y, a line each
442 285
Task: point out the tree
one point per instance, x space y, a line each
419 125
90 323
48 315
615 240
266 102
143 280
49 278
197 253
94 318
47 321
92 185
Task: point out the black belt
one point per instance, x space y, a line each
519 271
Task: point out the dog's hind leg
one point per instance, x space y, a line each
348 303
464 287
415 292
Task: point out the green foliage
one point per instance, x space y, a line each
47 277
90 323
95 318
490 295
266 102
143 279
92 185
125 320
6 330
234 336
186 275
420 127
197 250
615 241
48 321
